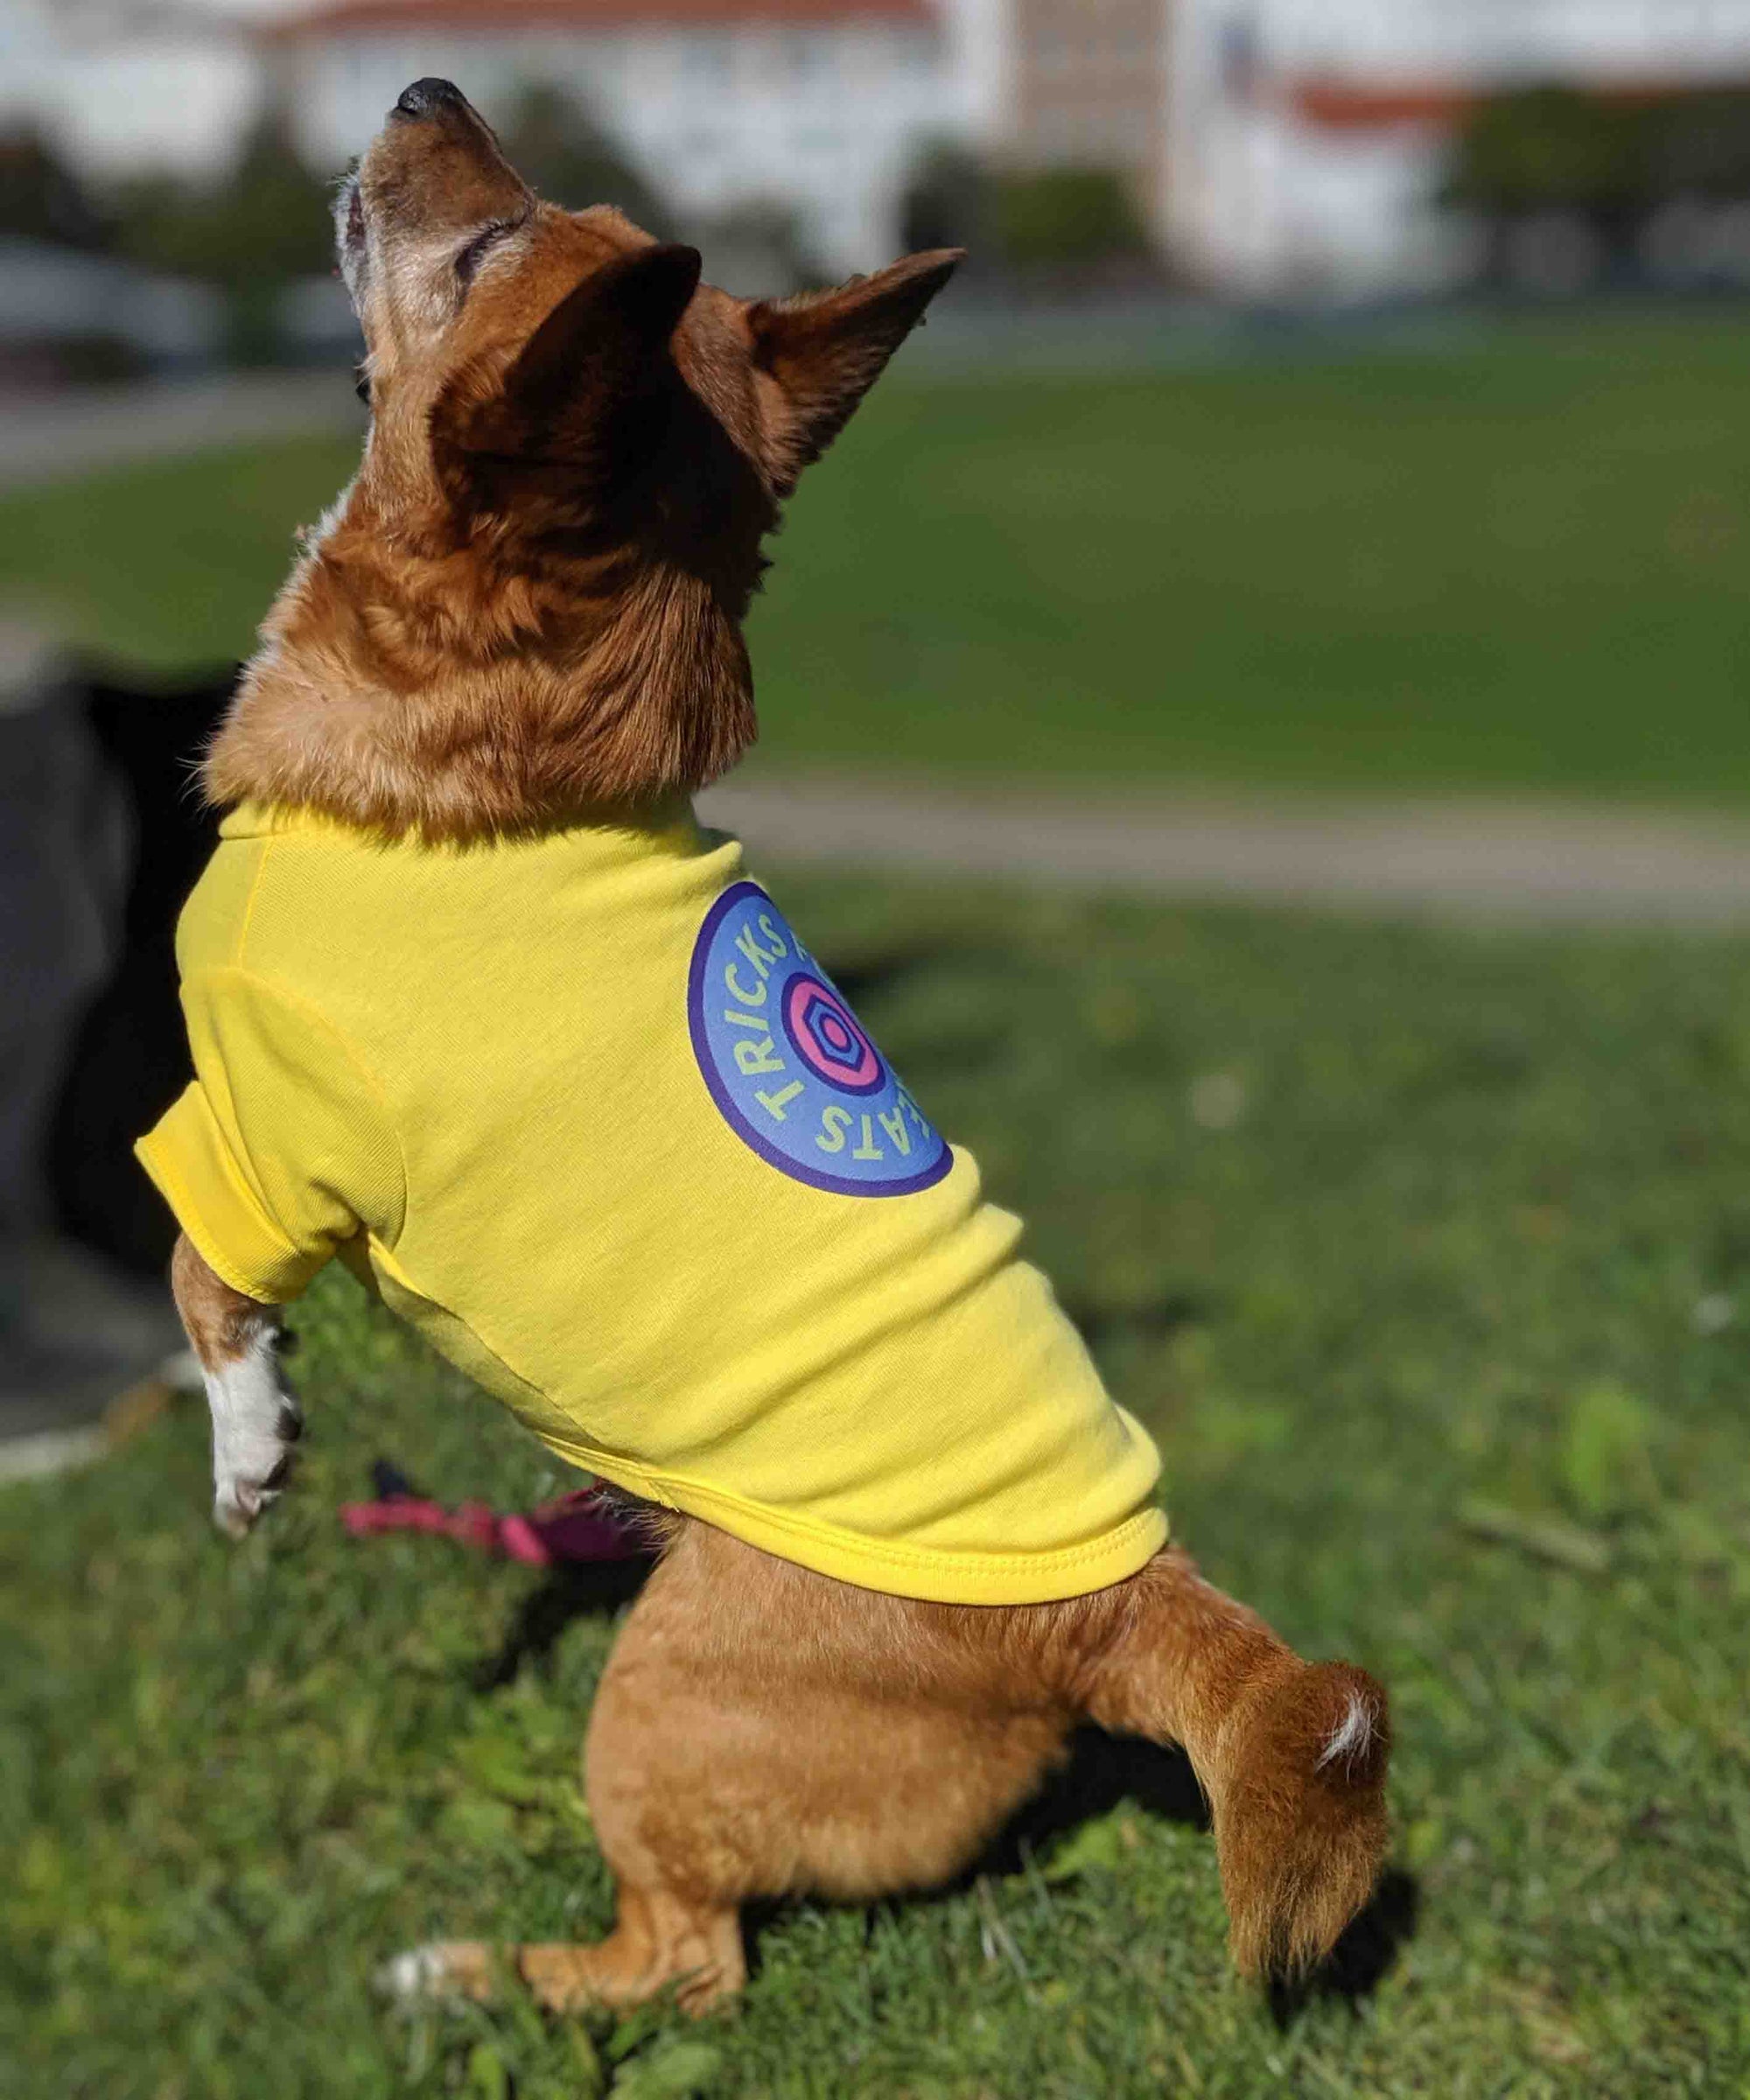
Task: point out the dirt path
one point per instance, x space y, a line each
1501 858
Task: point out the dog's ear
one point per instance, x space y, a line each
816 355
590 388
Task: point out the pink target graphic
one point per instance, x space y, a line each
824 1032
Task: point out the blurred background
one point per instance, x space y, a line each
1340 414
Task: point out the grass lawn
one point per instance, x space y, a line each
1428 1256
1519 562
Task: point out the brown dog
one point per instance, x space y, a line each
528 607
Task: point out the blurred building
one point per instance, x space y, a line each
122 84
1285 148
1070 83
1305 139
64 313
1273 148
815 105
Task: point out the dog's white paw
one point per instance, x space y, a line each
231 1516
241 1492
420 1974
237 1504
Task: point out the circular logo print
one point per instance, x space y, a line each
789 1066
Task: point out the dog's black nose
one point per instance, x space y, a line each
427 97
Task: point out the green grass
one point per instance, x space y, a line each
1373 1225
1516 562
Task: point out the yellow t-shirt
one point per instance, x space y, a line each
596 1122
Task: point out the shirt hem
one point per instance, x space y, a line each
931 1574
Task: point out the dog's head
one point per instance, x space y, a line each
513 344
529 600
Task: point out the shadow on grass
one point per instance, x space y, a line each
1105 1771
571 1590
1363 1958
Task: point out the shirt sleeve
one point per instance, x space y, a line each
283 1148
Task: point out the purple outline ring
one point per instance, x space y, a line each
791 1069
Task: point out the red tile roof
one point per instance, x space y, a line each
1334 105
1349 106
490 17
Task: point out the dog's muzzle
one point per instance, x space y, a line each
427 97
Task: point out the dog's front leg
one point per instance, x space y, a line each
255 1420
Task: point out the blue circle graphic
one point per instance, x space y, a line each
790 1066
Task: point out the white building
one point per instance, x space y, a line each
1305 138
124 84
1296 146
1275 146
56 298
819 105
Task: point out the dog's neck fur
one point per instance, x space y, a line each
412 680
527 610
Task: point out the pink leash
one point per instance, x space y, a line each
577 1526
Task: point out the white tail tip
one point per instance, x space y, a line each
1352 1738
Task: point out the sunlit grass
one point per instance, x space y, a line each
1372 1224
1516 562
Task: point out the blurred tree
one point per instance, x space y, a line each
40 197
1701 146
267 217
560 148
947 201
1649 181
267 221
1543 149
758 249
1057 218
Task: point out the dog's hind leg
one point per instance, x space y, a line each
656 1779
255 1420
1291 1755
660 1941
761 1731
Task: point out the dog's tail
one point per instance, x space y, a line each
1290 1754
